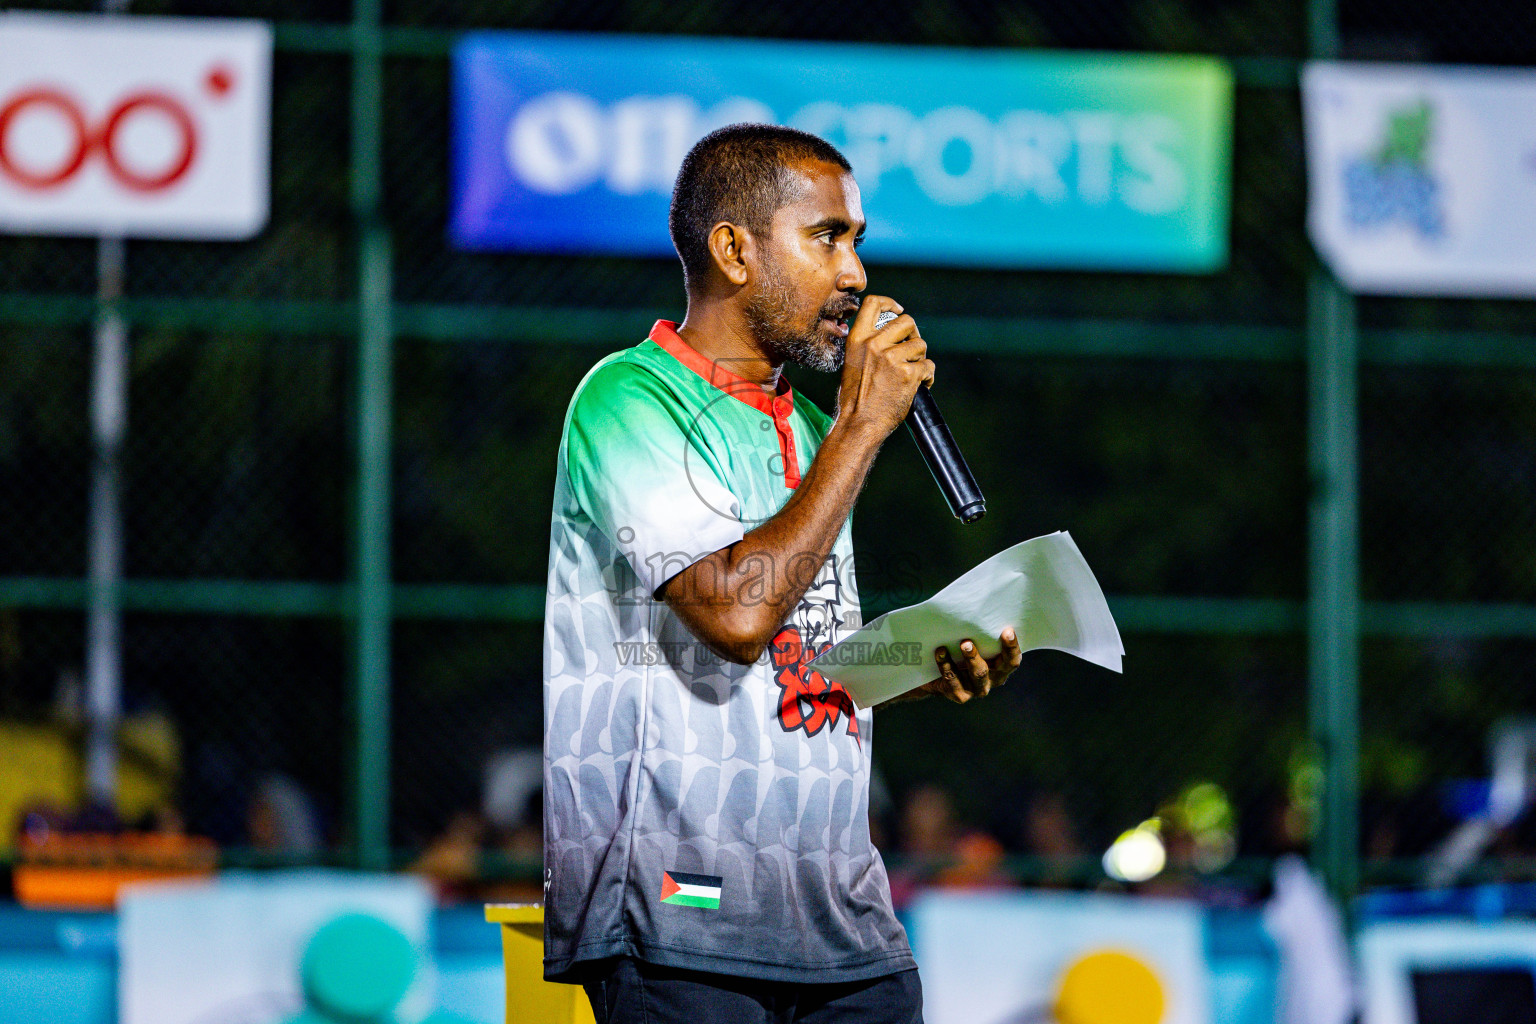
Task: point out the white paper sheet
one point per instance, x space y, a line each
1042 588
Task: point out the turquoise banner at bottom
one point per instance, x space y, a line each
62 968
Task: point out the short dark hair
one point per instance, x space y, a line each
739 173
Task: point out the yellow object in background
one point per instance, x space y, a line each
38 765
531 999
1109 987
41 765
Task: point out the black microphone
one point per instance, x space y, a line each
933 439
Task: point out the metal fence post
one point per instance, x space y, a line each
104 621
373 611
1333 609
103 696
1333 606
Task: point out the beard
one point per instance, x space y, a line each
786 335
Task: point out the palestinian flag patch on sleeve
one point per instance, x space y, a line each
682 890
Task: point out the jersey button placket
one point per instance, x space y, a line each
781 411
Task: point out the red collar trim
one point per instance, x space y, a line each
779 406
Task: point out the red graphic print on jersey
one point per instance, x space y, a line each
808 700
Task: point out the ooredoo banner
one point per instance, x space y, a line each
570 143
1422 179
139 127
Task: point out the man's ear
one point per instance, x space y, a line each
729 245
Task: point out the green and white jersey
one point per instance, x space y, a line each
697 813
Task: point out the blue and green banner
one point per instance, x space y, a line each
570 143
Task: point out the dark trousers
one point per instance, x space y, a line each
626 991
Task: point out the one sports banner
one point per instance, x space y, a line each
1422 179
132 126
570 143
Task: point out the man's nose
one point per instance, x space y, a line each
851 278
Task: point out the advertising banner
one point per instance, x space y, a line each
232 950
1423 179
1010 958
571 143
138 127
1446 971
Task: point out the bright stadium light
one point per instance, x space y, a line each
1138 854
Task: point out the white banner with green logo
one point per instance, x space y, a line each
1423 179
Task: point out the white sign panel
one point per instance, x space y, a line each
1010 958
139 127
1490 956
1423 179
230 951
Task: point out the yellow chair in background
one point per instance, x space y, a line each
531 999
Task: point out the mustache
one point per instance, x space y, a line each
841 310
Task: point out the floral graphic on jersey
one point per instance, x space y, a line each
807 699
817 614
1394 183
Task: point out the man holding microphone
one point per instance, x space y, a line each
707 853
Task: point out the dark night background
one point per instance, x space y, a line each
1177 476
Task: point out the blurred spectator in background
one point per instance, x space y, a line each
936 850
1048 832
524 841
281 818
1274 824
36 824
497 852
1412 824
452 860
514 806
165 820
512 777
